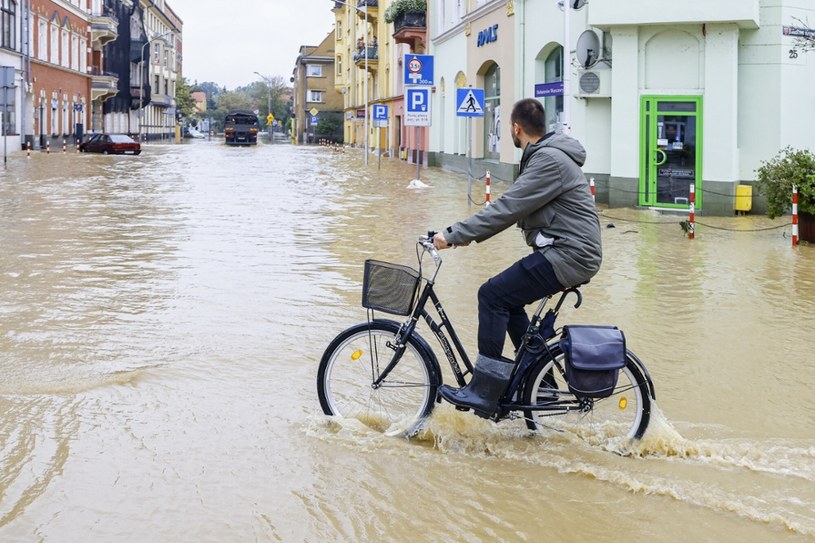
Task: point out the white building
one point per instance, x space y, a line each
14 90
663 94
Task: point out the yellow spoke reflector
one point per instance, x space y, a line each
356 354
623 403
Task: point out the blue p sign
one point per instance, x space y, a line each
380 112
417 101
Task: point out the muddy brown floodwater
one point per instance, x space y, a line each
162 316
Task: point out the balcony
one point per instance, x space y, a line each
104 85
163 100
372 54
411 29
368 9
104 28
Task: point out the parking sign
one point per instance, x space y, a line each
417 106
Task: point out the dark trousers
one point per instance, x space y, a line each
501 302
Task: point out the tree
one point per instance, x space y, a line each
805 36
185 104
776 177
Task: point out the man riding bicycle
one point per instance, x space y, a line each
551 203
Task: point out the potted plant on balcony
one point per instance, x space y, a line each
775 179
401 7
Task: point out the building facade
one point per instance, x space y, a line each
16 87
662 96
317 106
370 53
60 78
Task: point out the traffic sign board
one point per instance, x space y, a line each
314 111
469 102
417 106
418 70
380 112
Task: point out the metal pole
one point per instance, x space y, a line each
365 90
379 150
469 161
5 125
418 152
567 56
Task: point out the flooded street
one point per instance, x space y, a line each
162 317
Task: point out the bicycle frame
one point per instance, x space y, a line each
457 349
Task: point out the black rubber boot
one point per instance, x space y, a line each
481 394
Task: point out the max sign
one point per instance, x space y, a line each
488 36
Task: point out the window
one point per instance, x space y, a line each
83 57
553 72
339 66
9 16
156 53
42 40
64 58
315 96
492 113
53 54
74 52
156 86
314 70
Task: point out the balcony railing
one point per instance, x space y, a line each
104 85
104 27
372 54
368 9
410 28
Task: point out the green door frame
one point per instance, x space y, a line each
651 157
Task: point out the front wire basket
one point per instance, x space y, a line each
391 288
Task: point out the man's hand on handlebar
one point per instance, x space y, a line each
441 243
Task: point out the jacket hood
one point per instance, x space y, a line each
567 144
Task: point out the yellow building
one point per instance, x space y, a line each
317 106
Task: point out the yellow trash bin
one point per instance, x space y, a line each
744 198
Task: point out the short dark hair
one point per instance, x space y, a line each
530 115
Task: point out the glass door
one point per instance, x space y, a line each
670 150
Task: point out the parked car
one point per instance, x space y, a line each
115 144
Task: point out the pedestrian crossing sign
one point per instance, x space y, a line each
469 102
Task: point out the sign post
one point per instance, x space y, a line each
380 120
418 82
470 103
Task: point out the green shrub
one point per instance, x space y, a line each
776 177
400 7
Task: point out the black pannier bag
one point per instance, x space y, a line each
594 357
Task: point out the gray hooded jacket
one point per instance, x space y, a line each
551 203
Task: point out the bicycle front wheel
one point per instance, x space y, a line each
623 415
353 362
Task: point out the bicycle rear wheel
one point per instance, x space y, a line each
356 358
623 415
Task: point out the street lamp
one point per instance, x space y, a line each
269 85
364 81
141 76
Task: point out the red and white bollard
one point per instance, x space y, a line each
692 212
28 150
487 189
48 148
794 215
593 192
64 147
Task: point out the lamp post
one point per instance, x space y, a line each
141 76
269 85
364 10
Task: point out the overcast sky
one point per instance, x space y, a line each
226 41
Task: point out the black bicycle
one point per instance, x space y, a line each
385 374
